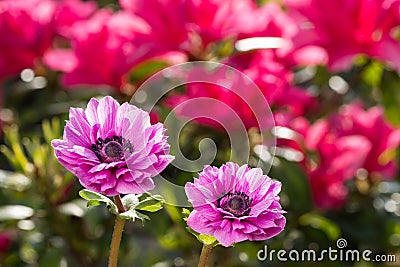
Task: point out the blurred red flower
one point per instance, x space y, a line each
71 11
336 147
235 94
5 242
195 23
348 28
25 27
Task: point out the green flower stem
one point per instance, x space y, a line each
204 255
117 234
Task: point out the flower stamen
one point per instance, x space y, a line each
111 149
237 203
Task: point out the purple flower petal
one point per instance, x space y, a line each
105 146
234 204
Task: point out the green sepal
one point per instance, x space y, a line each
95 199
132 204
132 215
151 203
208 240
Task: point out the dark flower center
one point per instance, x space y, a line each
237 203
112 149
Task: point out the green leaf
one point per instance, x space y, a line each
36 151
295 185
8 153
390 94
146 68
94 199
321 223
51 258
206 239
372 74
190 230
112 208
129 215
132 215
90 195
92 203
142 216
19 159
151 203
186 214
51 130
132 204
225 48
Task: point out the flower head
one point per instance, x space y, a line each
111 35
26 31
353 119
235 203
367 27
196 23
242 97
70 12
344 144
113 149
119 37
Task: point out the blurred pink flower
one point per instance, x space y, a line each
167 20
275 81
217 20
294 139
5 242
246 101
348 28
25 27
234 204
195 23
339 158
273 22
71 11
229 102
103 49
352 119
113 149
337 147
